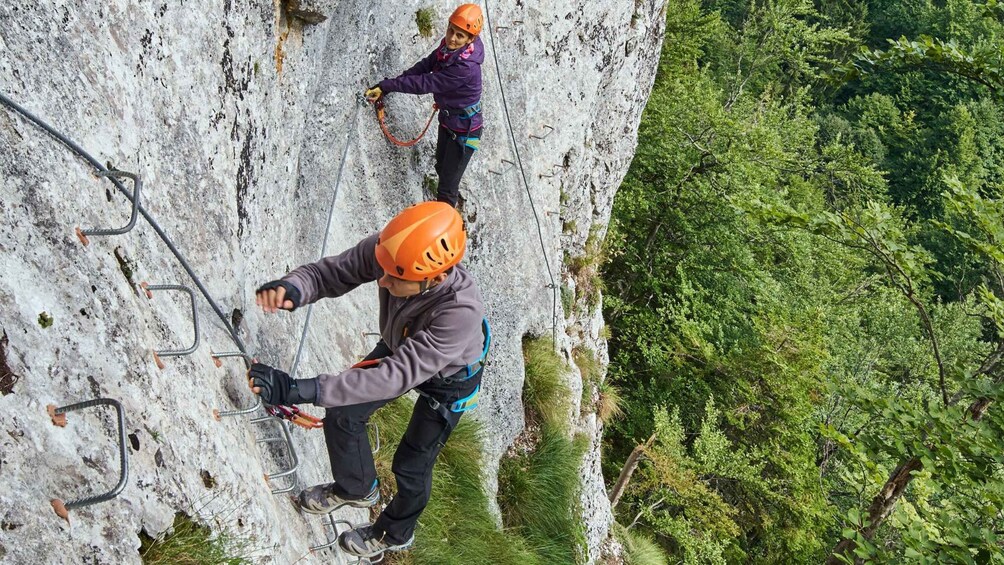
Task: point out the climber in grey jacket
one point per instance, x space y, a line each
433 339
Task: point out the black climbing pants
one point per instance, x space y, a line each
352 461
452 158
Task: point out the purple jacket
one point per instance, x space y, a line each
452 77
443 327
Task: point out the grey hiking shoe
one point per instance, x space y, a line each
322 499
365 542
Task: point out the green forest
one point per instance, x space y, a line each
804 285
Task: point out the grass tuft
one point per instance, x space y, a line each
588 364
423 19
586 267
567 300
545 396
191 543
456 528
608 406
538 496
639 549
605 332
589 367
430 185
44 320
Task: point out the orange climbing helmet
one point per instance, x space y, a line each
422 241
468 17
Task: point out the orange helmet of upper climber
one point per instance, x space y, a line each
422 241
468 18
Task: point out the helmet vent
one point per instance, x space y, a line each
400 271
442 241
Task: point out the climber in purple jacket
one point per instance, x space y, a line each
452 74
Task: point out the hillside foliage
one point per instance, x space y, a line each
805 285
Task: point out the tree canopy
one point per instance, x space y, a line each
805 282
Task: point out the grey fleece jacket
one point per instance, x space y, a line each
438 332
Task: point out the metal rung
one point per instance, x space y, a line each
554 173
510 164
514 22
334 527
549 131
157 354
58 416
218 357
288 439
239 412
137 184
217 413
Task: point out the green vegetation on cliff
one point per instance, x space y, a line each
804 286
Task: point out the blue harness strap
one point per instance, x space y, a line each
479 363
470 401
466 140
464 113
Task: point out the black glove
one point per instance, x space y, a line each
277 387
292 293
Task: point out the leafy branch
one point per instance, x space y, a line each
981 65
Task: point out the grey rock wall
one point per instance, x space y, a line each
237 116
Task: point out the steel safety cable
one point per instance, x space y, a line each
327 231
80 152
522 172
331 209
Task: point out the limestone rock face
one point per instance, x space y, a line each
244 121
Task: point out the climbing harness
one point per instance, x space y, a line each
381 114
464 113
468 113
470 401
472 141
